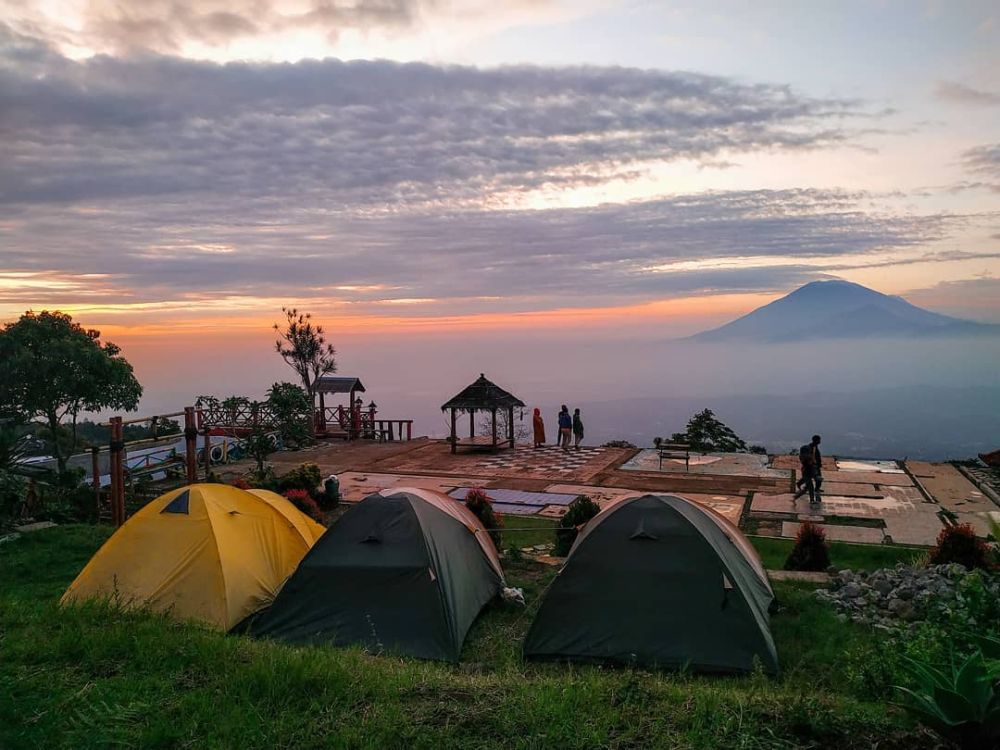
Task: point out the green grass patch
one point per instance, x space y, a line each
92 677
526 531
775 551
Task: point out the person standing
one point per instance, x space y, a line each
539 427
577 429
565 427
811 462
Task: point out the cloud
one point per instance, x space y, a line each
150 250
362 183
959 93
983 160
174 26
977 299
367 132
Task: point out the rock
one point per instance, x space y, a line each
9 537
904 592
882 586
37 526
851 590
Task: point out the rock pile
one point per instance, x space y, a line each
893 597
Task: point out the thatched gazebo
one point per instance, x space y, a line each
483 395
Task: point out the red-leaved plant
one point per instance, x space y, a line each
304 502
477 501
959 544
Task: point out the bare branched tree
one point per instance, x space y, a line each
503 425
304 347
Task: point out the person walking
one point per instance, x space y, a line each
812 470
539 427
565 427
577 429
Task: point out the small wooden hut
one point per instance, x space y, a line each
483 395
348 420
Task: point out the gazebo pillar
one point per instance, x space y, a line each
494 428
454 431
321 422
510 426
472 423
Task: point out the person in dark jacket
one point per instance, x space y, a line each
577 429
565 427
812 470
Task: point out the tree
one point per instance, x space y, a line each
54 369
289 405
704 432
304 348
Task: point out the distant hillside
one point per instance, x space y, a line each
840 309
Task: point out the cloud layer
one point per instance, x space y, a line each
155 178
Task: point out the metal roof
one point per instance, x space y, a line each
483 394
330 384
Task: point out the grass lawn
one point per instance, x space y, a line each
93 678
774 552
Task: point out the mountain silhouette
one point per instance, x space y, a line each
840 309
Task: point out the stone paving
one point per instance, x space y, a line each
743 464
854 534
863 501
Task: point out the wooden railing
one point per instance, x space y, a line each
361 423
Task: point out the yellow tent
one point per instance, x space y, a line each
207 552
307 528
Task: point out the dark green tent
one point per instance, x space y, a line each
406 572
658 581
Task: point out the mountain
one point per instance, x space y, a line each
840 309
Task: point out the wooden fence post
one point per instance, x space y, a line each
117 472
190 445
95 480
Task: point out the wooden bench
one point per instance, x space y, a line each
675 450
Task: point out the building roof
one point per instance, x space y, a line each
483 394
330 384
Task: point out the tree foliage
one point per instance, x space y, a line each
54 369
706 433
304 348
291 409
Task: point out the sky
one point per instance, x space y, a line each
176 171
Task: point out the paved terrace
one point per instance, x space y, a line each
864 501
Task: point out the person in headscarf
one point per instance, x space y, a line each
539 424
577 429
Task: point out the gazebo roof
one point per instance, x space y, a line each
483 394
331 384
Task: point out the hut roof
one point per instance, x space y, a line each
483 394
330 384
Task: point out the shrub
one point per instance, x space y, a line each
293 413
810 551
618 444
240 483
580 511
959 544
303 477
961 703
304 502
477 501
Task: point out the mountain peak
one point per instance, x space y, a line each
834 308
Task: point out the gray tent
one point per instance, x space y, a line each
659 581
406 572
